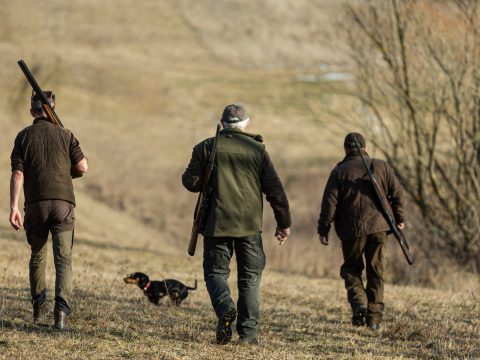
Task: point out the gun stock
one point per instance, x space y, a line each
192 245
402 241
201 209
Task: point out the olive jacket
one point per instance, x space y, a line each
350 202
243 171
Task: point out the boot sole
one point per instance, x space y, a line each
224 327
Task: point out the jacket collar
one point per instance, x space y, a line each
256 137
41 120
353 154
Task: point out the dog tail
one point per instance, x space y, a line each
194 287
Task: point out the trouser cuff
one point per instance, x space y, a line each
40 298
61 305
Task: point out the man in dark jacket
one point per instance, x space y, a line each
44 159
350 202
243 171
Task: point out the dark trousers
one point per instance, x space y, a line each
58 218
371 246
250 258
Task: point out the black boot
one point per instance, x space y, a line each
224 326
60 319
359 314
39 312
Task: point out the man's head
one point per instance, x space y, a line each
235 116
36 103
349 142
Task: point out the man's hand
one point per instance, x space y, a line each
16 219
400 226
323 239
282 234
16 182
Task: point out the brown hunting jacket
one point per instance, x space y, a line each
350 201
45 154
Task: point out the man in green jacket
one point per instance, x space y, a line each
350 202
243 171
44 159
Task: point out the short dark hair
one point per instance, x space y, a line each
349 142
36 101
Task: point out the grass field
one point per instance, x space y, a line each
301 318
139 83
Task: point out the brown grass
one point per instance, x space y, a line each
139 83
301 318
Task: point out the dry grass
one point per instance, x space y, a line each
301 318
139 83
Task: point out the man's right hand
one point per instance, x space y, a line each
16 219
323 239
282 234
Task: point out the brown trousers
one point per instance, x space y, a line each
58 218
371 246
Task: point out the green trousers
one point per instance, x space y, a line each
371 246
41 218
250 257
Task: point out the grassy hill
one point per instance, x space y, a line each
139 83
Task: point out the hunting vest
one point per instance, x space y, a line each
236 205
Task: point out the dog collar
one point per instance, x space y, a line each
147 286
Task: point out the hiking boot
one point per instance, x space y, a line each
39 311
224 326
60 319
359 314
247 341
375 326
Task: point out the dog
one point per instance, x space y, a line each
155 290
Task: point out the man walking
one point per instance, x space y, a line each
44 159
243 171
350 202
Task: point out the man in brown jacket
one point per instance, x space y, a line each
350 202
44 159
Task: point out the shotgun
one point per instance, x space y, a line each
45 103
402 241
47 107
203 202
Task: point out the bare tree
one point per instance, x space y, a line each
417 69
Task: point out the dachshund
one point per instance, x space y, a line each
155 290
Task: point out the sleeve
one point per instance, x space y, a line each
273 189
76 153
395 195
329 204
192 178
16 159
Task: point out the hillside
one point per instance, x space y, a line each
140 83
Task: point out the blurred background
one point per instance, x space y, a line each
141 82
